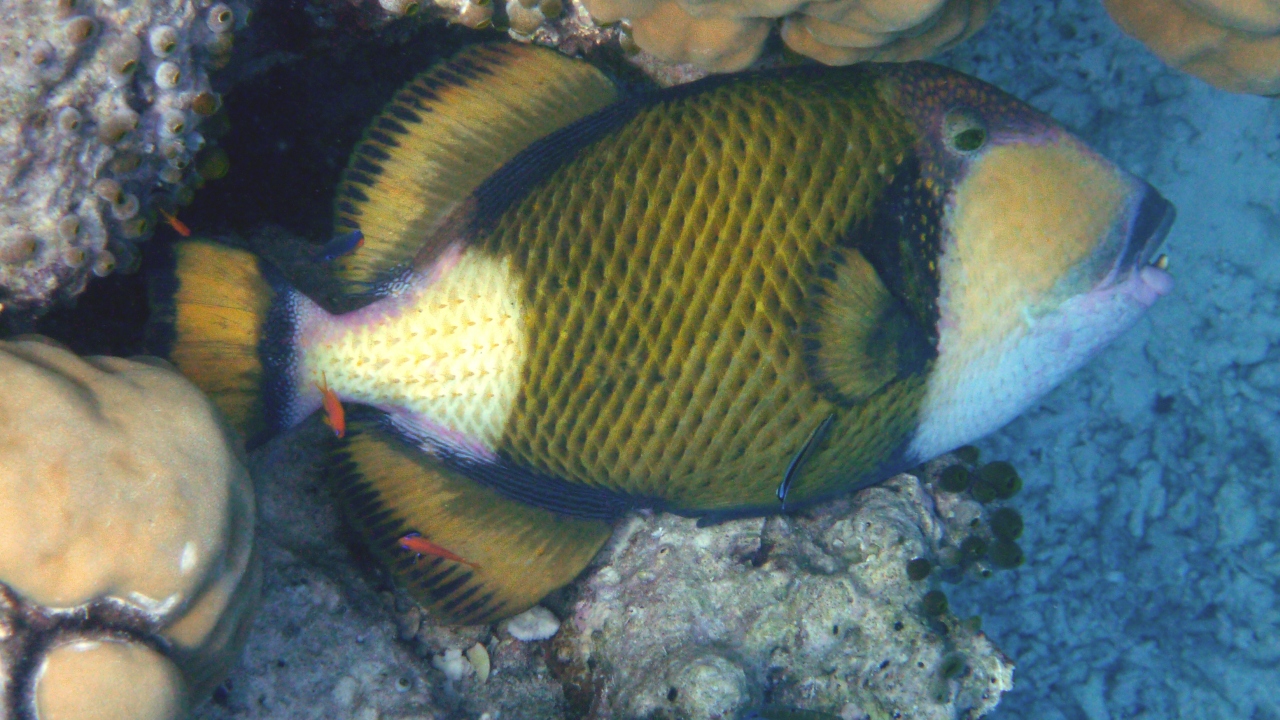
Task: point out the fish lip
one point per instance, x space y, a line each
1153 216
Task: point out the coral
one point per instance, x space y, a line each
127 565
1233 44
882 30
100 103
536 623
818 610
723 36
979 534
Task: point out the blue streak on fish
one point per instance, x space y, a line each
342 245
797 462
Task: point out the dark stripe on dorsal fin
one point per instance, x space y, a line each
384 140
439 138
514 554
373 152
355 193
387 123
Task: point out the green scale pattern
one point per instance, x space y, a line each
670 270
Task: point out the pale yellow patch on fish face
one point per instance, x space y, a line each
449 351
1025 219
1033 234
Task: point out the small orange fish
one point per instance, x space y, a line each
334 416
415 543
177 225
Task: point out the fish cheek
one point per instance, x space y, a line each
1025 218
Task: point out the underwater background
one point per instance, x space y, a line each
1150 500
1151 475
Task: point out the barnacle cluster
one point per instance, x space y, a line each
101 106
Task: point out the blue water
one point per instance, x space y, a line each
1152 476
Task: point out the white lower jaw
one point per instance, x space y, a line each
980 384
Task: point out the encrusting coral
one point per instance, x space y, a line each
127 566
100 104
822 610
1233 44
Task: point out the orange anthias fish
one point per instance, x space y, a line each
177 225
334 416
415 543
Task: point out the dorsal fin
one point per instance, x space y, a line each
441 135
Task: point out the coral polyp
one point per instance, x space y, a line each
102 103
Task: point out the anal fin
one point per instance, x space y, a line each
515 553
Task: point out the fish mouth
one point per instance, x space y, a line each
1151 222
1153 215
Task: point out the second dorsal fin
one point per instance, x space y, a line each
441 135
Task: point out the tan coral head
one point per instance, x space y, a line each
1232 44
723 36
127 565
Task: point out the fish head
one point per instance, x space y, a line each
1045 250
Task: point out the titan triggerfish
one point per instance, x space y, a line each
736 296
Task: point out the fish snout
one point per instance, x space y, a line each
1152 218
1149 224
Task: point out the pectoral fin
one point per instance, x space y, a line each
515 553
862 337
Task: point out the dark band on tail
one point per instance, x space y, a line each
217 314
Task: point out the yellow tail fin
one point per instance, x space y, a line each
210 316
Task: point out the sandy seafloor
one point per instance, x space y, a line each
1153 475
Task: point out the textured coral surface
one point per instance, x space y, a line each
729 615
723 35
99 107
814 610
1233 44
127 573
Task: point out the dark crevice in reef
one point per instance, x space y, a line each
30 631
293 125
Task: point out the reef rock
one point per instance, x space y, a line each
814 610
100 102
127 564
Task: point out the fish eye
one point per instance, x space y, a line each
964 130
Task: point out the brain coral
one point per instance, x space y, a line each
100 101
127 564
1233 44
726 35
